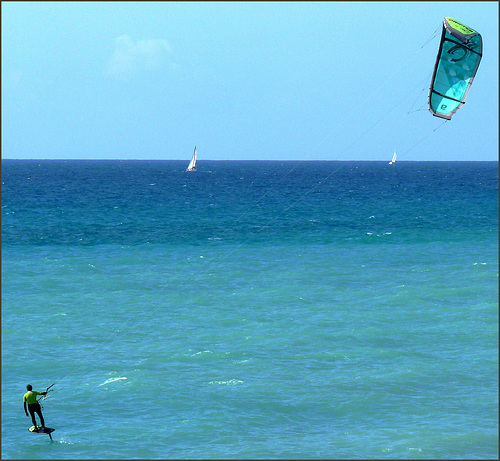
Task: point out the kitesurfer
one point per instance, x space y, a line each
33 405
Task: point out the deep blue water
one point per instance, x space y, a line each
251 309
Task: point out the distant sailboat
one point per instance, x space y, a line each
192 163
393 159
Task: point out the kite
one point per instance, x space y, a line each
457 61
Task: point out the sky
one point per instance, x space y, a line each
240 80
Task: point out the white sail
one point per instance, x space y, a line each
393 159
192 163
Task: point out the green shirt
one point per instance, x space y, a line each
30 397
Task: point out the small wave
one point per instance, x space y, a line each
111 380
201 352
64 442
231 382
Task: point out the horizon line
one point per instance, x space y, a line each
228 160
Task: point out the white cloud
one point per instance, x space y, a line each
131 57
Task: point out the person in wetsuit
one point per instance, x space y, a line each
33 405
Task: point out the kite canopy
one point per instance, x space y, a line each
457 61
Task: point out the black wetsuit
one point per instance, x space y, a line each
35 408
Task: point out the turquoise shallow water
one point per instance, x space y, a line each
251 309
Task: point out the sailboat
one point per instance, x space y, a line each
192 163
393 159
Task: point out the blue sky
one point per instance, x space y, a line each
240 80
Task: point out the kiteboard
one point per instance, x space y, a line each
39 430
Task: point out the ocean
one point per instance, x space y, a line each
251 309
